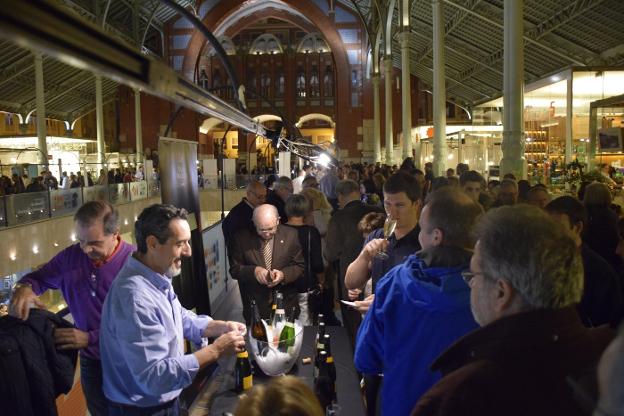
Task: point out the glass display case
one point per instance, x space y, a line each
557 120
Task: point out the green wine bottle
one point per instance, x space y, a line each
287 336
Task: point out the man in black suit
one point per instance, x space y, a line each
344 242
602 301
267 258
282 189
240 216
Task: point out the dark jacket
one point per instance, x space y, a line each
522 364
240 216
310 242
343 240
275 200
246 254
602 301
33 373
601 235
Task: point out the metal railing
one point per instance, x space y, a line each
23 208
27 207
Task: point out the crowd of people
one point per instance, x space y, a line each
465 297
17 184
481 284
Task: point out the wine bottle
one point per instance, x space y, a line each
287 336
330 359
320 348
258 331
320 334
243 378
273 306
280 317
324 386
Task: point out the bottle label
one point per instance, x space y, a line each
279 312
330 359
247 382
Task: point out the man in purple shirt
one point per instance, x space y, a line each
84 273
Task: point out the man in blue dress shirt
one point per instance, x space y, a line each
144 325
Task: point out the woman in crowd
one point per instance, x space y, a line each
321 209
297 209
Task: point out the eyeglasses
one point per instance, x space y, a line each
467 275
267 230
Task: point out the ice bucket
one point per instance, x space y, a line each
275 357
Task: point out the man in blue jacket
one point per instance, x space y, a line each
421 306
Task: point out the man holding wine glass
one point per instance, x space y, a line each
386 247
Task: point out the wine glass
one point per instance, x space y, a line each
389 226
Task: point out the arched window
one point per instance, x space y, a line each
312 43
281 81
265 84
314 82
328 82
251 79
203 79
301 83
228 91
266 44
216 82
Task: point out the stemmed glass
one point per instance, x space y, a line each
389 226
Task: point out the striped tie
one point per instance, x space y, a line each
267 252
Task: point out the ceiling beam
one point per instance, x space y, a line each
455 81
23 65
456 19
562 17
63 89
526 38
463 55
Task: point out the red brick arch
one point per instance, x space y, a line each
323 24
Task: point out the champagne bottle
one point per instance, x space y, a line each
324 386
319 335
330 359
320 348
273 306
243 378
287 336
279 318
258 331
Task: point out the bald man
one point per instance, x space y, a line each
240 216
266 258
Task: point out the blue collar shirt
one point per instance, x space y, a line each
142 338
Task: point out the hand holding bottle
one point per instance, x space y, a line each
229 343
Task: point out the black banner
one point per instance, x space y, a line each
179 187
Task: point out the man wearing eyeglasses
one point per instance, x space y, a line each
421 306
532 354
267 258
